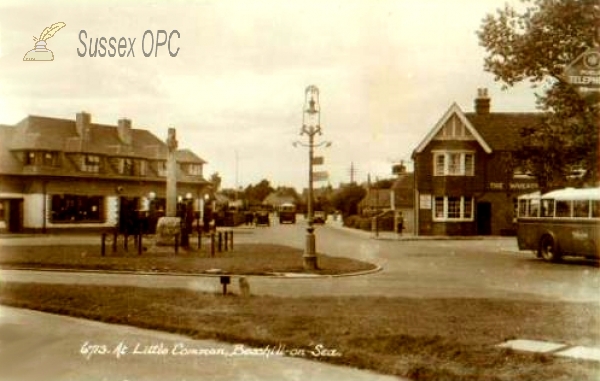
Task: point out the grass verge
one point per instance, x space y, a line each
422 339
248 259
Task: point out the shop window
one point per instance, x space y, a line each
76 209
453 208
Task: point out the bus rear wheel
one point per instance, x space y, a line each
548 250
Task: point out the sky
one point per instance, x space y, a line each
386 73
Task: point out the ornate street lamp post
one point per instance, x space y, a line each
311 126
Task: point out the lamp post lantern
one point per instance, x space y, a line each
311 126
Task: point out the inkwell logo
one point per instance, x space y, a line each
41 53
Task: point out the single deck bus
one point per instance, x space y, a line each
559 223
287 213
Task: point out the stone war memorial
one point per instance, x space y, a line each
168 228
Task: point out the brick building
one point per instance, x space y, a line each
466 177
59 174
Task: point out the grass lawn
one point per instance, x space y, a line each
249 259
422 339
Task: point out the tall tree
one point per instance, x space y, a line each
536 44
255 194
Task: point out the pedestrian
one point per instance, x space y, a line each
399 223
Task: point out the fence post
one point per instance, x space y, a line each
103 244
220 242
125 243
226 240
212 244
140 246
231 237
176 243
115 238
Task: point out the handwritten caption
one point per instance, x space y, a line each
122 349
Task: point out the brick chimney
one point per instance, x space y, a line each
82 124
482 102
124 131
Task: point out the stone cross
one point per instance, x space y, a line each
171 175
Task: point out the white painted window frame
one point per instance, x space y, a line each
445 217
462 170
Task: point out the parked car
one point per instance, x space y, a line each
319 217
262 218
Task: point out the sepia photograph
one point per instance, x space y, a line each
283 190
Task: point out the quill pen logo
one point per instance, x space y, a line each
41 53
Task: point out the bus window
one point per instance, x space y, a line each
581 208
547 208
595 208
563 208
534 208
523 208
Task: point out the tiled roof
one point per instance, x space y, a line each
502 131
44 133
8 161
187 156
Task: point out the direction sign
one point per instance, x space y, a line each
317 160
320 176
584 72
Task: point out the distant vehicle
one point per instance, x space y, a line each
287 213
319 217
262 218
559 223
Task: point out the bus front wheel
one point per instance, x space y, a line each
548 249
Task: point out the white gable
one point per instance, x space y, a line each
453 126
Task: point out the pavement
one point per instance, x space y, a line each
40 346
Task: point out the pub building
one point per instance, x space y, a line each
466 182
62 175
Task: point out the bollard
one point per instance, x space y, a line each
176 244
103 245
212 244
225 280
114 243
226 240
231 243
220 242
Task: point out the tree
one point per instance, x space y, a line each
347 198
255 194
215 179
536 44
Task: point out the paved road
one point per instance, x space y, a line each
414 268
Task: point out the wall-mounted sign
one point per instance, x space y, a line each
425 201
584 72
512 186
